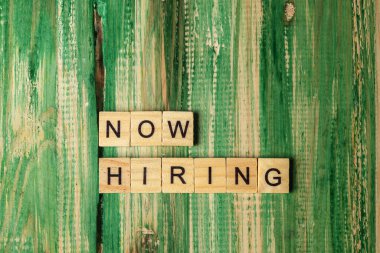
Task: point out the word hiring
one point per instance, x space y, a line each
146 128
199 175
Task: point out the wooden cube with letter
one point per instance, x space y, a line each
146 128
145 175
177 175
114 129
177 129
114 175
210 175
273 175
242 175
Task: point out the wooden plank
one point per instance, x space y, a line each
48 150
264 78
262 82
134 82
377 98
222 66
271 79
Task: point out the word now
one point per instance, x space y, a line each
199 175
146 129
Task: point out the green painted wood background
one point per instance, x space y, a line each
268 78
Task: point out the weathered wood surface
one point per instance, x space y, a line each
262 79
48 142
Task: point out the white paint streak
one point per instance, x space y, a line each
3 74
68 134
189 50
216 48
60 137
247 207
138 86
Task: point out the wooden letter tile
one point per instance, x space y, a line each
114 175
273 175
114 129
210 175
177 129
145 174
146 128
242 175
177 175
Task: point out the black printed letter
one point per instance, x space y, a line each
209 175
152 129
277 178
144 177
245 179
179 175
114 175
109 125
178 124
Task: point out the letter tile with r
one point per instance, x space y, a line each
177 175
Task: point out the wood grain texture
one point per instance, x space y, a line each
146 175
241 175
114 129
48 149
273 175
377 110
210 175
297 79
114 175
146 128
271 79
177 128
177 175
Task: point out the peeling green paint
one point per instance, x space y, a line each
263 79
48 154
